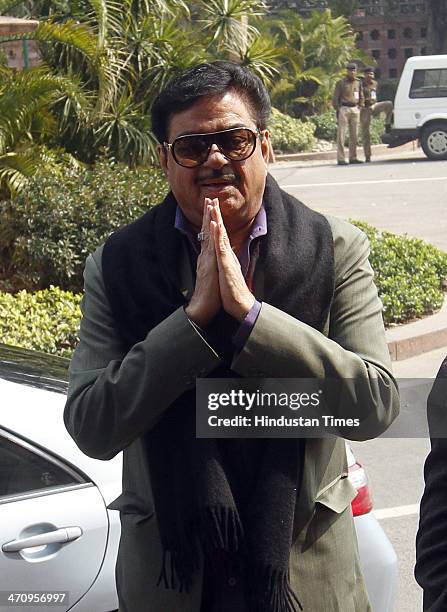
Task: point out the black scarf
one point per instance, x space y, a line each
199 497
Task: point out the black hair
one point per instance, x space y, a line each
211 79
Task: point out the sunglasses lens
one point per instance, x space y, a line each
190 151
235 144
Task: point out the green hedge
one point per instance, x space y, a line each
290 135
45 320
409 274
47 232
326 127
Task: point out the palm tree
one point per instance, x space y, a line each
121 53
317 50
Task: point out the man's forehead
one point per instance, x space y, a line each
211 114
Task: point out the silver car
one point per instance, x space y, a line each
58 540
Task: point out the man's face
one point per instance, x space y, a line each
239 186
351 73
369 76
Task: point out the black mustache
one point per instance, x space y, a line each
217 174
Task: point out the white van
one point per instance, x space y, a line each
420 106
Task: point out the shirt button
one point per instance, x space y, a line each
232 581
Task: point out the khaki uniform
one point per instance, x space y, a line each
347 100
371 109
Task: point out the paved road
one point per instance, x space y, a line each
395 468
403 194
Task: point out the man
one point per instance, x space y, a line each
371 109
347 100
228 277
431 539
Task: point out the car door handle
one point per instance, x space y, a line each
58 536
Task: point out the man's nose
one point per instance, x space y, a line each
215 158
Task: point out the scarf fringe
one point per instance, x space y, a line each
222 529
172 573
272 592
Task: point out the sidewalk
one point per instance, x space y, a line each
382 150
418 337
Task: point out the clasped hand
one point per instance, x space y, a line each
219 279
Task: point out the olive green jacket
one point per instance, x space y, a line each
115 397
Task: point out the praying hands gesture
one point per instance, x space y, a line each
219 279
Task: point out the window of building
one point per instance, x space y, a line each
423 32
408 52
391 34
375 34
392 73
392 53
378 73
408 33
424 51
375 53
429 83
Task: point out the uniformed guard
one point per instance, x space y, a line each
371 109
347 101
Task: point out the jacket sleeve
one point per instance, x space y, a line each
114 397
355 353
431 539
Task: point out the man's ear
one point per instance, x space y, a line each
265 146
163 158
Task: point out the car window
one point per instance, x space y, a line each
429 83
24 471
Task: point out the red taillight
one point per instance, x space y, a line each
362 503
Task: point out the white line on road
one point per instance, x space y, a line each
385 513
407 180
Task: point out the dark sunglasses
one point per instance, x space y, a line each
235 144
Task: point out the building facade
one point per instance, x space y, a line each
389 30
19 54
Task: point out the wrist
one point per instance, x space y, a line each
241 309
195 315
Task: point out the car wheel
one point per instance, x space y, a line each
434 140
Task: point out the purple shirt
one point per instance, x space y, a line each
258 228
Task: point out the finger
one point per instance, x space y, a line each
223 241
208 242
205 224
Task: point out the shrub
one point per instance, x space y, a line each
409 274
48 230
325 125
326 128
290 135
45 320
